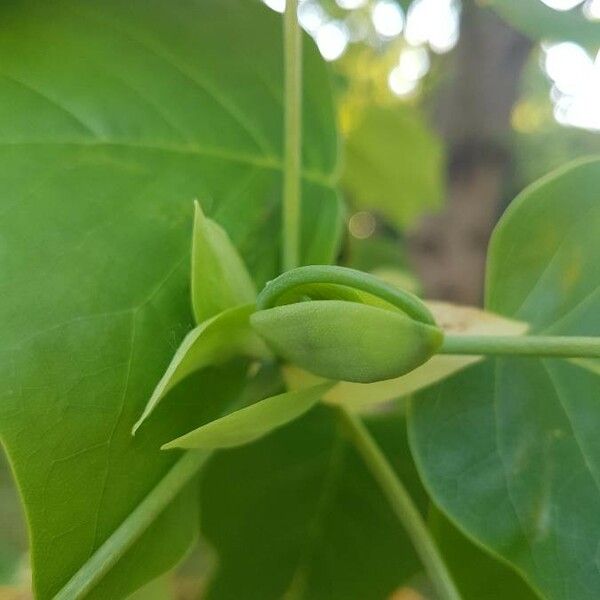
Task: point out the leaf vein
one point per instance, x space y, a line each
52 102
113 433
156 48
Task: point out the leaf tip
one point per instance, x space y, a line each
172 445
198 212
138 423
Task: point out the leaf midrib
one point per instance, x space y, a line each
159 51
567 237
272 163
595 478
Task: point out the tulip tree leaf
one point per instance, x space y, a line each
220 279
212 343
518 438
300 506
114 116
252 422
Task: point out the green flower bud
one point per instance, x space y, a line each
345 325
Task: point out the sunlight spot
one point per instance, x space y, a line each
576 84
591 9
278 5
579 111
417 22
413 63
388 18
527 116
401 86
562 4
568 65
362 225
332 39
311 16
351 4
433 22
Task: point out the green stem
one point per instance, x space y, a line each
358 280
402 505
133 527
391 486
542 346
293 132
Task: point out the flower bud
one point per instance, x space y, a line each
379 334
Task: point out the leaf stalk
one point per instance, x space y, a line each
182 473
190 463
134 526
374 458
292 136
526 345
402 505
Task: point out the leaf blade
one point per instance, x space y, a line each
113 118
220 279
306 509
517 433
252 422
212 343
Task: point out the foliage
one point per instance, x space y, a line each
393 164
479 575
120 115
214 255
115 117
516 438
311 517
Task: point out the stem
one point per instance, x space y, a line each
134 526
391 486
330 274
292 130
402 505
543 346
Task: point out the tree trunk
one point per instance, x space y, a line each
472 114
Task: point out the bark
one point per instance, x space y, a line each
472 114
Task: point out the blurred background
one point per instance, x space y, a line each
447 109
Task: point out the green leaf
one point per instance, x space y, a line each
220 279
348 341
539 21
252 422
394 165
509 448
478 575
212 343
114 116
304 516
